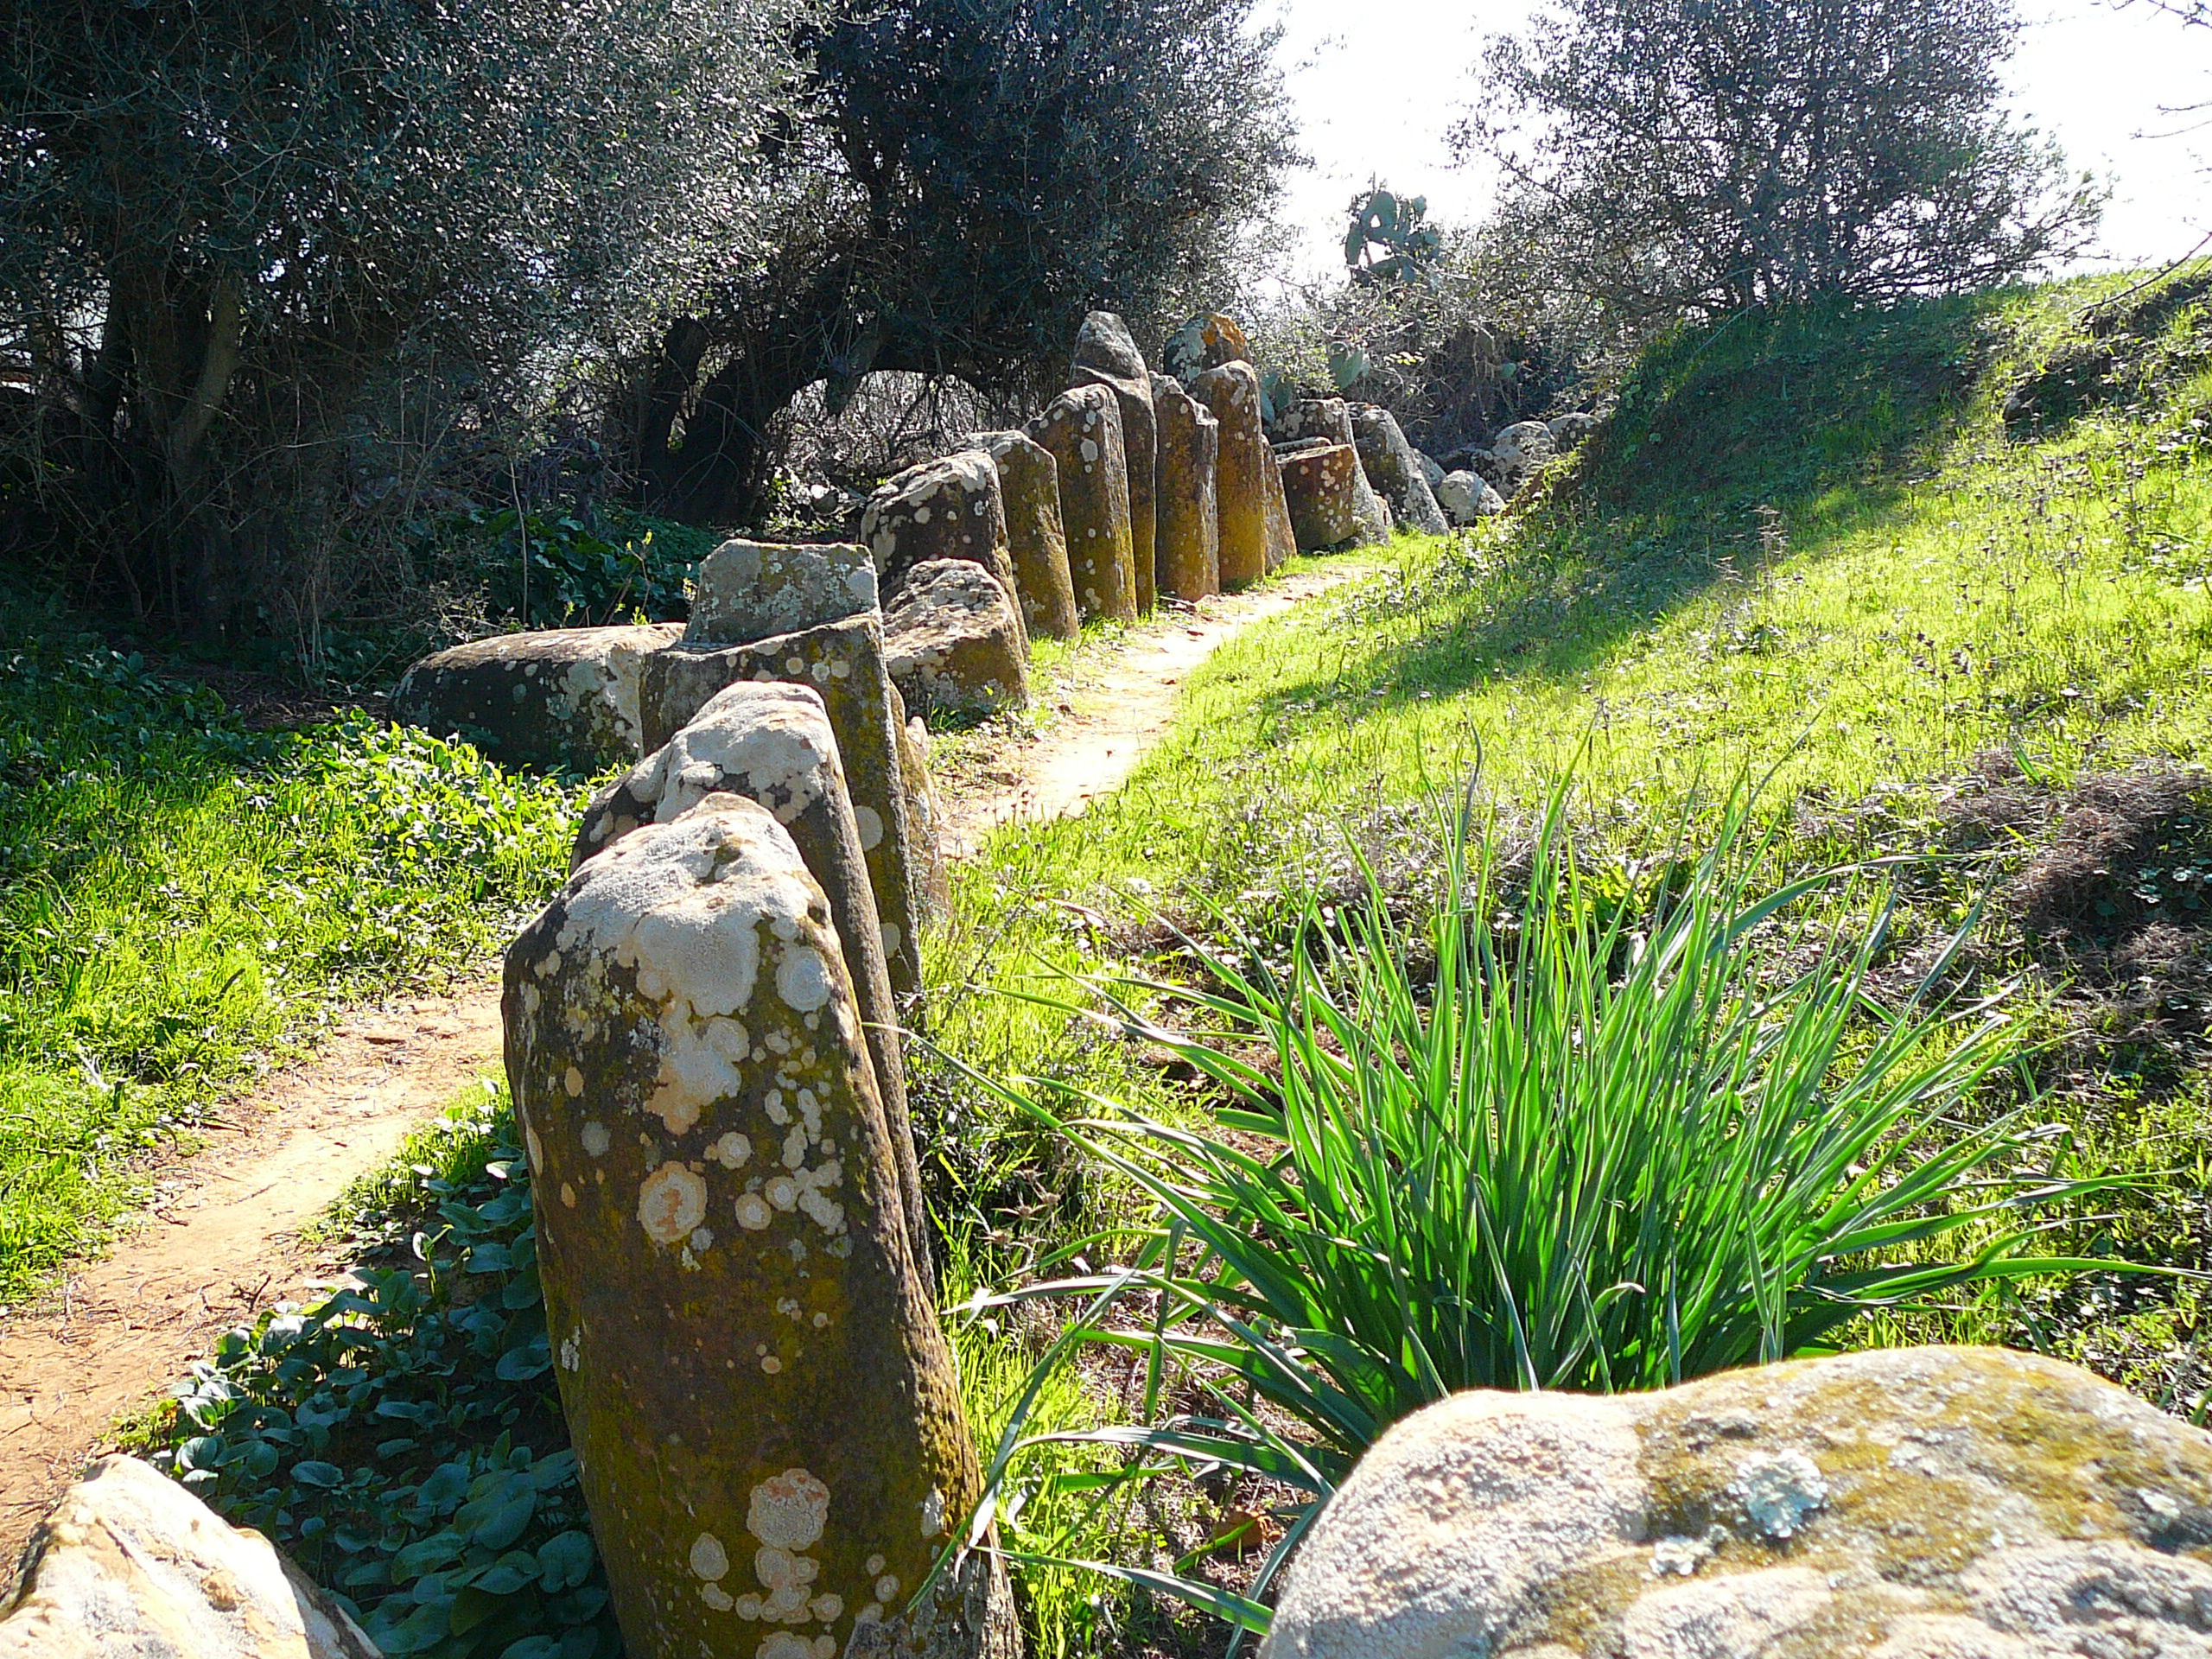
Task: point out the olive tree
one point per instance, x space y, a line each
253 250
962 180
1664 155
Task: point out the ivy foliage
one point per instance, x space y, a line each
402 1441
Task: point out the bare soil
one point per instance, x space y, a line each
221 1240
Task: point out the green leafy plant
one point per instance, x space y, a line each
1395 225
403 1441
1569 1141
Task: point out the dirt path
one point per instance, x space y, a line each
220 1241
1113 712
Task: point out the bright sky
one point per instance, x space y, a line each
1378 83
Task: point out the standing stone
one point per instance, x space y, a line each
773 744
1189 545
1081 428
1394 469
1330 418
1248 488
1319 481
1106 356
1029 486
1207 342
559 697
925 822
947 509
749 590
952 642
765 1415
844 662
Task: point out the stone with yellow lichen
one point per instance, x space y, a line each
843 661
1081 428
1253 522
1914 1503
1190 453
1029 484
765 1412
1207 342
773 744
951 508
1106 355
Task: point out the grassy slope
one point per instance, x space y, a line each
179 896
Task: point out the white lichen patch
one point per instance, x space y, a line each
932 1516
753 1212
786 1577
572 1082
788 1511
784 1644
671 1203
1779 1489
804 980
699 1066
709 1559
732 1150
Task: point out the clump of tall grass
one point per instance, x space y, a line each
1562 1140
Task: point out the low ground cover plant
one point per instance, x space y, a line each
1575 1139
181 896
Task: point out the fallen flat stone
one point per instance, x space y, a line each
1188 547
131 1566
1029 485
1082 429
1912 1503
773 744
560 697
1248 488
1106 356
952 643
946 509
748 590
1394 469
765 1415
844 662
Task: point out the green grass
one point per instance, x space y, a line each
181 898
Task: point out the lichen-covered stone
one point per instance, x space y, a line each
773 744
951 641
1254 523
131 1566
1082 429
765 1416
1515 454
1569 429
1330 418
1207 342
560 697
1394 469
1915 1503
749 590
1321 485
844 662
1188 547
1029 485
945 509
1106 356
1465 497
925 820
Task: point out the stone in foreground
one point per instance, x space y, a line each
1106 356
1189 542
1465 498
1915 1503
1029 485
1394 469
844 662
1081 428
952 642
132 1564
1248 489
749 590
947 509
773 744
1321 486
560 697
765 1415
